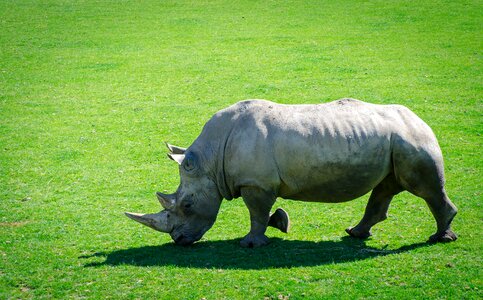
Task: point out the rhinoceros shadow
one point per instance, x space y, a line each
227 254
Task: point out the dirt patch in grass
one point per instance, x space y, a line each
14 224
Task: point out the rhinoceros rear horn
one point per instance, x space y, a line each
167 200
157 221
175 149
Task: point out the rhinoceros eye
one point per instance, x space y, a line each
187 204
187 209
189 163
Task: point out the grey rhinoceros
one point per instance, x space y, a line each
331 152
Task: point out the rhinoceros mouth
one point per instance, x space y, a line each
185 240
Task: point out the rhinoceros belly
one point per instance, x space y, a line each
333 177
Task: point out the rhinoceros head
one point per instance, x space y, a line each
192 210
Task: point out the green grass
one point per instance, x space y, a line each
90 90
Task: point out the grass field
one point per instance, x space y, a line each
89 90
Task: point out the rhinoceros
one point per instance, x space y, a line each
332 152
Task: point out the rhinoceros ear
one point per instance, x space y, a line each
176 157
175 149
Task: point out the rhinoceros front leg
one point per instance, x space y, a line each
280 220
259 203
376 209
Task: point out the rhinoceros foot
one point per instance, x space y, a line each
360 234
280 220
253 241
444 237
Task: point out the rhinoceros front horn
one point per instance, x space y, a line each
157 221
167 200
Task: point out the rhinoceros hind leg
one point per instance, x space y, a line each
429 185
444 237
376 209
358 234
443 211
421 172
280 220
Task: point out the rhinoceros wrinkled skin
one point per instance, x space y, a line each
331 152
